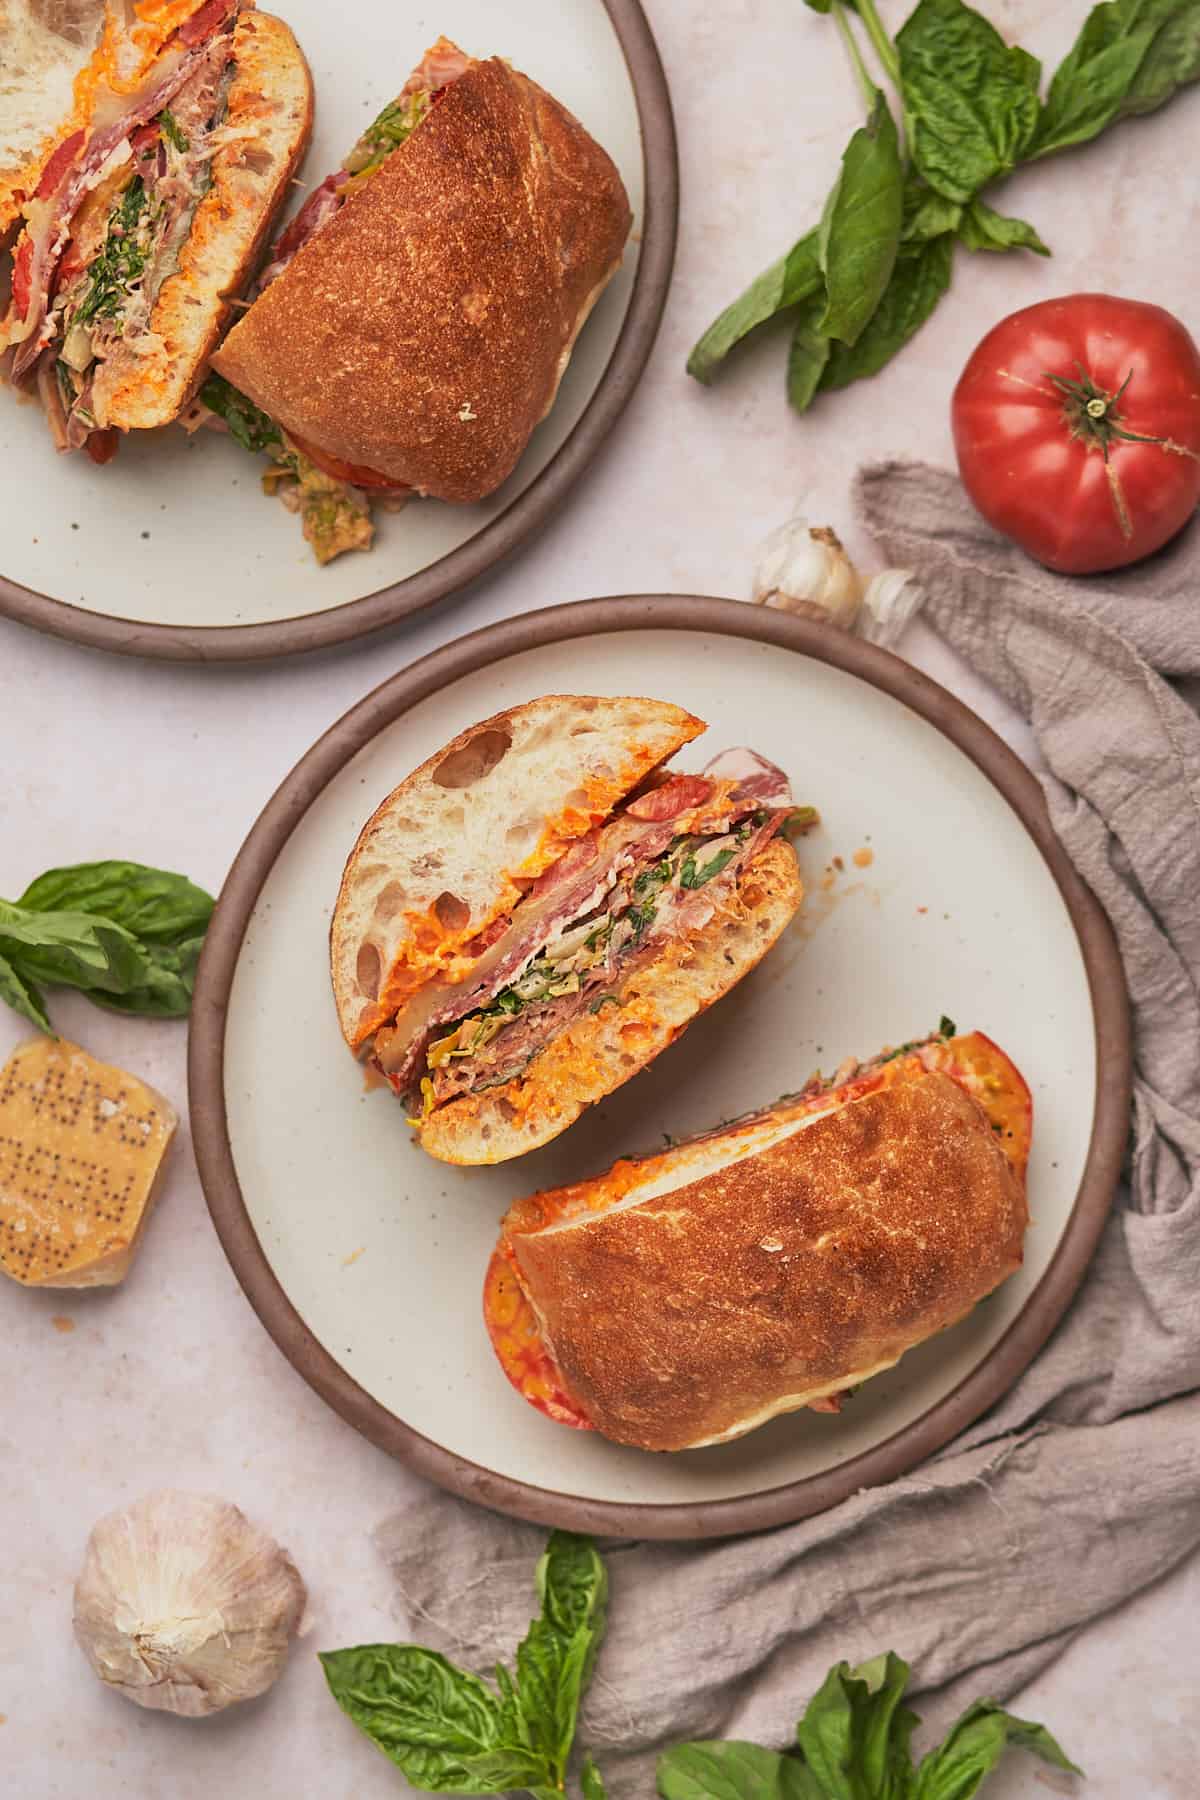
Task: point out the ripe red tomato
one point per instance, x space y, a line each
355 473
1077 428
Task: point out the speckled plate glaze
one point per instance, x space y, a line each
935 885
172 550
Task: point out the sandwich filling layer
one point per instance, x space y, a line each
659 870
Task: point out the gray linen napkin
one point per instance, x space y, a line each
1083 1484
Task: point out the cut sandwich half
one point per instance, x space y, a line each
147 218
542 908
682 1299
415 319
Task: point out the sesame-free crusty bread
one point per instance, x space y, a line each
44 44
777 1278
81 1152
265 131
601 1050
451 848
423 331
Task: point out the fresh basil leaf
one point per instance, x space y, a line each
808 353
556 1656
887 1728
971 101
975 1745
154 904
23 997
984 229
1130 56
733 1771
591 1781
920 278
437 1723
166 992
248 424
1171 62
695 877
946 1027
927 214
792 279
855 1732
72 949
860 226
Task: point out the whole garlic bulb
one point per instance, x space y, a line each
803 568
184 1605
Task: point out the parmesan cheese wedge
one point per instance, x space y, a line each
82 1147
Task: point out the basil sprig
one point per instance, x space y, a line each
853 1744
126 935
861 283
449 1732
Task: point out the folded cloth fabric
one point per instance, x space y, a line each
1083 1484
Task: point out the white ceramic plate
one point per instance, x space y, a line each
381 1251
127 556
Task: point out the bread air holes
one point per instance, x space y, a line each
474 760
368 970
452 914
390 901
523 834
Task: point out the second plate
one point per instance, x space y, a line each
172 550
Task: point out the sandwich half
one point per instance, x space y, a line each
415 319
682 1299
148 215
542 907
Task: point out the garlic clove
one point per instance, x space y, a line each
182 1604
892 599
804 569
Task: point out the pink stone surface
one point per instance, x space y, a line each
170 1379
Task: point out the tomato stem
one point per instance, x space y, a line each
1092 414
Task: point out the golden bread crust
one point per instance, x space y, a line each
422 332
696 1314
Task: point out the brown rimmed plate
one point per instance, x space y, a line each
935 885
171 551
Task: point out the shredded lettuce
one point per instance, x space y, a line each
121 260
395 124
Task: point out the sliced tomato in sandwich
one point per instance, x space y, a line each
995 1082
58 164
517 1341
357 474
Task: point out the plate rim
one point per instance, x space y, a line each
496 541
676 1520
